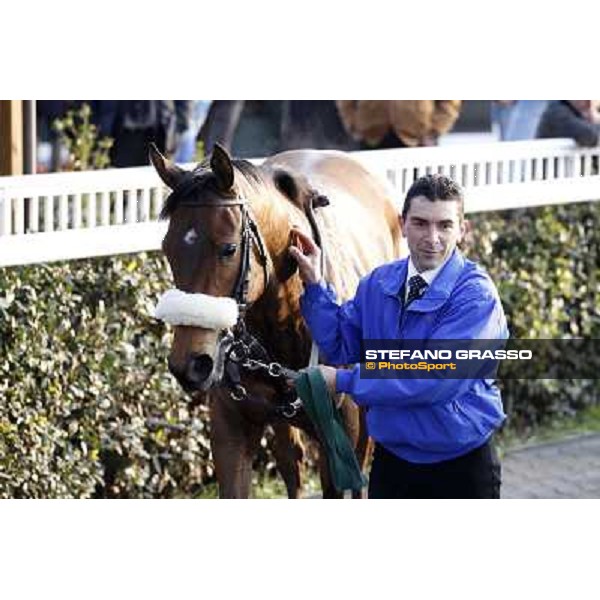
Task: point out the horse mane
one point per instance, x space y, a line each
203 179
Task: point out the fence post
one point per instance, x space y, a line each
11 140
5 214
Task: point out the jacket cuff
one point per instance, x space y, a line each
343 381
313 291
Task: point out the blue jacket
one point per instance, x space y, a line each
419 420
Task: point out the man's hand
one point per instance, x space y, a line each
308 256
329 374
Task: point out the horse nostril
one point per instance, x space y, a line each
199 368
180 376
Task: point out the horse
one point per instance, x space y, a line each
235 310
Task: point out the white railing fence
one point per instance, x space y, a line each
498 176
61 201
77 215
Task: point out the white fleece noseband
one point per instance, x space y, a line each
196 310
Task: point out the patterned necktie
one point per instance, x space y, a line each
416 288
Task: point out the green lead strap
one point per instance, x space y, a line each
320 408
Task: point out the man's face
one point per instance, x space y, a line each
432 230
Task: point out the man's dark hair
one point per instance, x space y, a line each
433 187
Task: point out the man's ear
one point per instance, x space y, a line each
465 240
466 228
401 220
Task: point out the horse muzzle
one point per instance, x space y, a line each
197 375
200 370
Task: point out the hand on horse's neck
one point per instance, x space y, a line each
275 316
275 216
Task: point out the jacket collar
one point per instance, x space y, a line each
437 293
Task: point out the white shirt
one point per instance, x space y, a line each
428 275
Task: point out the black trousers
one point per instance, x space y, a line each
476 474
130 148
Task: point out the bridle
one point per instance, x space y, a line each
238 348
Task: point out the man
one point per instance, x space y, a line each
137 123
517 119
379 124
576 119
221 123
433 436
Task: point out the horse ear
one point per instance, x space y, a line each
220 163
168 171
286 184
298 190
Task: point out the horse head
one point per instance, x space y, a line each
218 260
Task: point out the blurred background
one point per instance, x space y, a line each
41 136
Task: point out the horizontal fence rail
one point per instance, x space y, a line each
63 216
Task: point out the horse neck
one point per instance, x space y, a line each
275 316
274 215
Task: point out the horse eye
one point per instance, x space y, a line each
227 250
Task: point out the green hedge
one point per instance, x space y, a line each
83 382
88 409
546 264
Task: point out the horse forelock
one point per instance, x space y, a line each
201 180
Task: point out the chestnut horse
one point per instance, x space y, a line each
235 308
